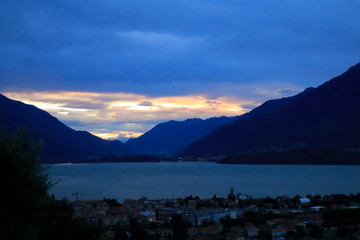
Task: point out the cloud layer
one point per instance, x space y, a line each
124 115
149 47
147 61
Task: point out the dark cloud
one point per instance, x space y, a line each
84 105
248 106
212 102
137 46
146 103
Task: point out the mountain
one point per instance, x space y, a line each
324 117
60 143
174 136
297 156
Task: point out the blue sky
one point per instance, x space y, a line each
119 67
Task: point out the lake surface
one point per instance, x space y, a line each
181 179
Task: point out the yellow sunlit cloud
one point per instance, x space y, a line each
133 106
116 134
91 108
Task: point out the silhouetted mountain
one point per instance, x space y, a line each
326 116
61 143
174 136
297 156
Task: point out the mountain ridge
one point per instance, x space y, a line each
61 143
326 116
170 138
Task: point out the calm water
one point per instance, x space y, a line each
167 180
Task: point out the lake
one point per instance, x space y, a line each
181 179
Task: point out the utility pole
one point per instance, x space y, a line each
76 194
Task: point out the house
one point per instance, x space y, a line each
111 220
317 208
278 234
252 231
131 203
205 231
243 197
236 213
150 216
193 203
310 218
206 215
203 217
164 233
235 236
304 202
217 216
165 213
89 204
89 214
238 229
277 222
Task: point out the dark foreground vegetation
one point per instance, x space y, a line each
30 213
27 211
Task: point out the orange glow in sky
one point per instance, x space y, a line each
109 115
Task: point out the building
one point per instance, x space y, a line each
252 231
278 234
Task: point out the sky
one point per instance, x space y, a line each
117 68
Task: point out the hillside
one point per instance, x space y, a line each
327 116
174 136
60 143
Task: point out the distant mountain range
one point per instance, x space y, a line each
61 143
172 137
324 117
306 128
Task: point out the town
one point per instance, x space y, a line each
234 217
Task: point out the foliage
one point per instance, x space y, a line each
136 230
58 223
29 213
315 231
120 235
179 227
342 217
24 185
227 223
112 202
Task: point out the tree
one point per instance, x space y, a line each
29 213
137 232
58 223
232 195
179 227
24 184
226 223
157 215
120 234
315 231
